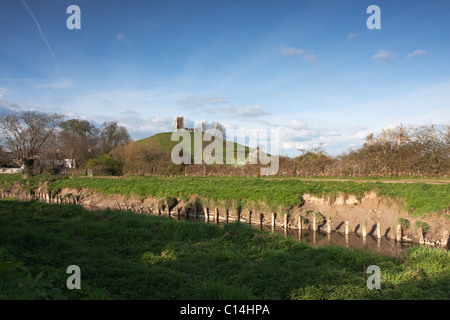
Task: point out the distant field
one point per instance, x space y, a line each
273 193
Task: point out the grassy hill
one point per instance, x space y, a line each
162 141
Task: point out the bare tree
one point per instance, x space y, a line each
112 135
78 140
24 135
221 131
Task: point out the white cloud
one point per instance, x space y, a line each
308 56
120 36
63 84
7 107
419 52
292 51
351 35
243 111
194 102
382 56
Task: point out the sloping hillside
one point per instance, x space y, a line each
163 142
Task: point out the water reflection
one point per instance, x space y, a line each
370 243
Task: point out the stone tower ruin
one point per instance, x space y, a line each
179 124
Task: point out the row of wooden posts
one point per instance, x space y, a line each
48 197
75 199
285 225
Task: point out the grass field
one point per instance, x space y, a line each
126 256
259 193
265 193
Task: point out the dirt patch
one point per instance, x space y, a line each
371 210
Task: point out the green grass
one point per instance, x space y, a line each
417 198
126 256
164 141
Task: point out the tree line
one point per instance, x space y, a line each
398 151
39 141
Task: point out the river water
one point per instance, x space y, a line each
370 243
384 246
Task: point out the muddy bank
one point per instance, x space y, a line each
369 215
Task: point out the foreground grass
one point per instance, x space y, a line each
126 256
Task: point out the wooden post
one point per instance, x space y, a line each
378 230
445 239
329 225
346 227
286 221
217 215
238 215
206 212
178 213
261 218
274 216
421 238
186 213
398 234
314 224
364 228
299 222
249 217
227 214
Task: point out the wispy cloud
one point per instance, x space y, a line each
7 107
308 56
63 84
382 56
44 38
120 36
351 35
419 52
195 102
243 111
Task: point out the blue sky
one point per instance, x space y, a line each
311 69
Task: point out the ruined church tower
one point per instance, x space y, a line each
179 124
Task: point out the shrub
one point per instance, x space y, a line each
104 165
421 224
403 222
